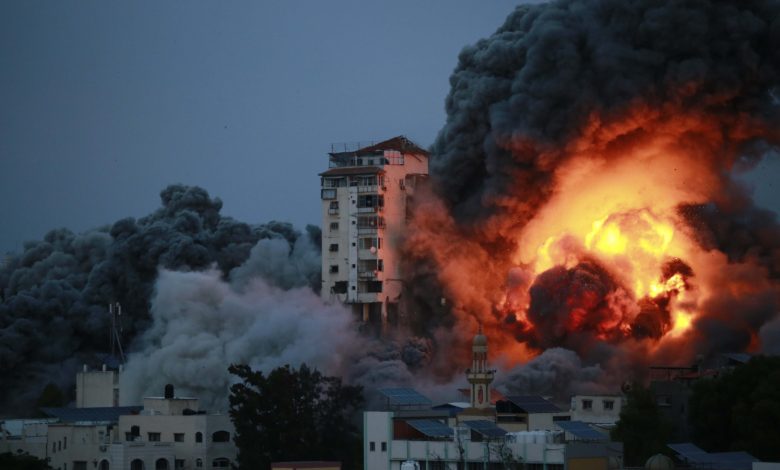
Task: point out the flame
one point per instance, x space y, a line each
612 205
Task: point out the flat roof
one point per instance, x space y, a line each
95 414
352 170
533 404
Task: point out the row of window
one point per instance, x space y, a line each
59 445
135 433
372 446
162 464
366 265
361 180
607 404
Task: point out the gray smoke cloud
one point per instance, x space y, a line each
54 294
264 315
556 373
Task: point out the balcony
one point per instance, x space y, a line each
333 211
368 274
368 189
369 210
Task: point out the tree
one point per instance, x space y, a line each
739 410
22 461
294 415
51 396
642 428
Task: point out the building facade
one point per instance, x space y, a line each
366 195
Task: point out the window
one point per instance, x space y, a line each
104 465
178 437
137 464
339 287
372 446
609 405
65 442
220 436
199 463
333 208
374 287
333 182
178 463
161 464
368 243
53 447
59 445
154 436
220 463
334 268
334 226
135 431
333 247
198 437
587 404
384 447
371 200
328 194
371 222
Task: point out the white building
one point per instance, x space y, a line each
520 432
167 433
366 196
596 409
96 388
172 433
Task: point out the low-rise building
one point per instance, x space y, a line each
596 409
172 432
518 432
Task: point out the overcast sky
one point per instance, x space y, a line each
103 104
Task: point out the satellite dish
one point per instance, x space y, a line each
372 250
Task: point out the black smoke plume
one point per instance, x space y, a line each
54 295
571 80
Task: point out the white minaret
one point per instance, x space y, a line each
479 376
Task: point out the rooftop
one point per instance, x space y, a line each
109 414
399 143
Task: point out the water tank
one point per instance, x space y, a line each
169 391
659 462
410 465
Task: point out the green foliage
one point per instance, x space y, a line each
740 410
51 396
294 415
9 461
642 428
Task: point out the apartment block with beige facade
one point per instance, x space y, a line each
366 198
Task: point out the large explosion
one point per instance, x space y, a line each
585 183
585 209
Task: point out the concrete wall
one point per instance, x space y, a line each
598 412
187 427
69 444
97 388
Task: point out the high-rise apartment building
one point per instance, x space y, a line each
366 195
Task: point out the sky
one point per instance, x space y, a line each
104 104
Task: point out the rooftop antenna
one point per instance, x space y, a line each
115 310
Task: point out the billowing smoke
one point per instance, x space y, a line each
587 191
55 293
198 291
263 314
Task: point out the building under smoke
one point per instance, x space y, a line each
366 201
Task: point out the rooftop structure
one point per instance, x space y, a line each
366 196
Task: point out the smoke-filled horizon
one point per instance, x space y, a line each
586 207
